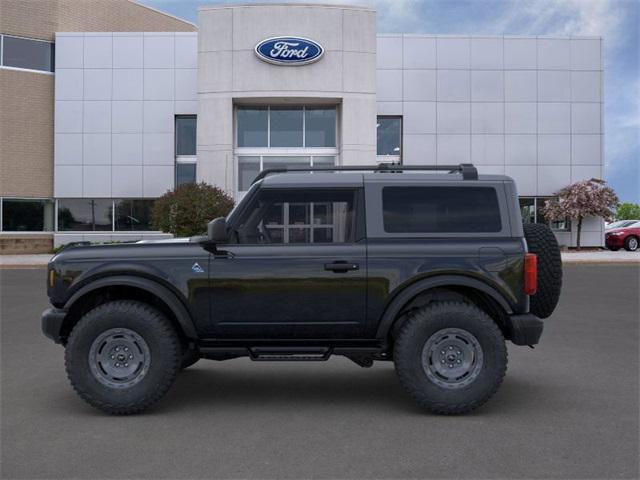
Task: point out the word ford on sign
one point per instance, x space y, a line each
289 51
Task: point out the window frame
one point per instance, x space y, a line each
536 200
27 199
268 146
355 228
183 159
393 158
375 220
22 69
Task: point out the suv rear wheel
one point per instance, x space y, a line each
451 357
122 356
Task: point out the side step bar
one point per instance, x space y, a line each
289 354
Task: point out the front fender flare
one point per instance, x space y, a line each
401 299
176 306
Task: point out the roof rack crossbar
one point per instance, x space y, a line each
468 171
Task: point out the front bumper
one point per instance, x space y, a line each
52 321
525 329
614 241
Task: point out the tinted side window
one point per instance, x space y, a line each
440 210
297 216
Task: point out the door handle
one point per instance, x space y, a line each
341 266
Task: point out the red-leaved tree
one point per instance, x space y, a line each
586 198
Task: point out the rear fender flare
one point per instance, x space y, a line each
401 299
163 293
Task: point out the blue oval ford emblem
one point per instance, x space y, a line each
289 50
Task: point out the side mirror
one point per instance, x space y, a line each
217 230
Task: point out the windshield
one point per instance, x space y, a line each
622 224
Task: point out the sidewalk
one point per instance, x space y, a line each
604 256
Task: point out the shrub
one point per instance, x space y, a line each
186 210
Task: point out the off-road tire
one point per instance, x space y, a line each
628 243
189 357
542 242
156 331
414 334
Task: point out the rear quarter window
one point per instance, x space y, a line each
440 210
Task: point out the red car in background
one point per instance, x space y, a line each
626 237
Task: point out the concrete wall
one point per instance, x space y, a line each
117 95
229 72
527 107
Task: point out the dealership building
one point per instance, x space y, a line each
120 103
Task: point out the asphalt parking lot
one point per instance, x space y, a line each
568 409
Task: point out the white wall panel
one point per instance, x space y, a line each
585 118
97 84
520 118
487 85
586 150
586 54
98 51
454 117
554 118
585 86
68 116
126 117
96 181
454 149
127 51
67 181
487 149
521 85
157 180
68 148
520 149
554 54
419 149
126 181
554 86
96 116
420 117
96 149
487 53
158 51
552 178
487 117
453 52
520 53
554 149
68 84
128 84
158 149
419 52
453 86
158 84
69 50
126 149
419 85
389 52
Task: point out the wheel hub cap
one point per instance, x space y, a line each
119 358
452 358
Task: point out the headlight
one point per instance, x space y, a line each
616 233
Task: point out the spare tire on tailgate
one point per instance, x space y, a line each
542 242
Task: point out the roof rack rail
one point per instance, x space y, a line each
468 171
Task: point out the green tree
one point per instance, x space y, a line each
628 211
186 210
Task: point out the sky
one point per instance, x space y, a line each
617 21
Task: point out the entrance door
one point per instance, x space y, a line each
297 268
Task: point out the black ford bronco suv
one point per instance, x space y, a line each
433 271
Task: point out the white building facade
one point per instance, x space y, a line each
128 106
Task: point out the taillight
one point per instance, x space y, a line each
530 273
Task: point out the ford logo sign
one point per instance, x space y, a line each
289 51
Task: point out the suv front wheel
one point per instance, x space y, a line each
123 356
451 357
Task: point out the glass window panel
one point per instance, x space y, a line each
320 127
186 135
324 161
322 214
299 213
280 162
322 235
185 173
284 216
274 215
248 169
84 214
133 215
300 235
440 210
389 133
22 215
528 210
252 126
25 53
286 126
275 235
